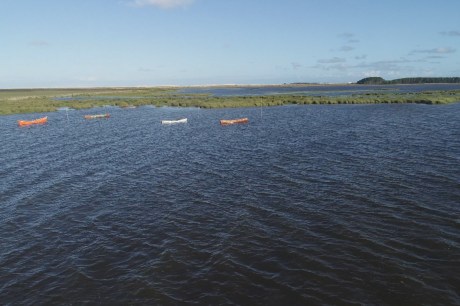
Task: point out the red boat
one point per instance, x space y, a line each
30 122
234 121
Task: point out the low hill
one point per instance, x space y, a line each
420 80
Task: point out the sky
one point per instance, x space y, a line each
96 43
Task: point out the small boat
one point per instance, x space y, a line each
234 121
183 120
30 122
97 116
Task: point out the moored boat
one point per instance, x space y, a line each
183 120
234 121
30 122
97 116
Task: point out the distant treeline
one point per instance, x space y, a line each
381 81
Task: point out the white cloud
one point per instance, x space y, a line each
346 48
388 65
163 4
349 40
333 60
349 37
361 57
435 51
450 33
435 57
341 67
335 63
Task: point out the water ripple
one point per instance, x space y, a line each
304 205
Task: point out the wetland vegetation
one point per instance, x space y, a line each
19 101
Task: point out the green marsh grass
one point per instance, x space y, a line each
47 100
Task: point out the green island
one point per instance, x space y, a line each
20 101
417 80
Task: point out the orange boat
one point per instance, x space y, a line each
234 121
30 122
97 116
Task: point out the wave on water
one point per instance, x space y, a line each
342 204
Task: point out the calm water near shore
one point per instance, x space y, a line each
305 205
316 90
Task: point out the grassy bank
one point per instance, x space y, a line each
46 100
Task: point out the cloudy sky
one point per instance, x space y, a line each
62 43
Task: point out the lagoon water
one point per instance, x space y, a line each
305 205
316 90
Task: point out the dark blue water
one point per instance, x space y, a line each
316 90
305 205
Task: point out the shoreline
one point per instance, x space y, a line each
172 86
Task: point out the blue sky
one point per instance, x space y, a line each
89 43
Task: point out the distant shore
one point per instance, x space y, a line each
21 101
409 81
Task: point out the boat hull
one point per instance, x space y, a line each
98 116
32 122
234 121
183 120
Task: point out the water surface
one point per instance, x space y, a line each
316 90
317 204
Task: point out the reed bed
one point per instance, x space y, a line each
47 100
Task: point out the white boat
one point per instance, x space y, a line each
183 120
